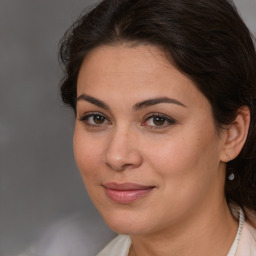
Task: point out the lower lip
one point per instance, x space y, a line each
126 196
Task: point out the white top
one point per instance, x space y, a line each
243 245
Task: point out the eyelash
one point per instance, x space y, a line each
170 121
94 114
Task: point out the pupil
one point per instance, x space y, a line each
98 119
158 121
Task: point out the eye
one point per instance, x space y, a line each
94 119
158 121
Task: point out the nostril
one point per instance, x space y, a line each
129 161
118 167
121 153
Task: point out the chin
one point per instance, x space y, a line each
127 222
126 227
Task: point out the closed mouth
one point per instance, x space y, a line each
126 193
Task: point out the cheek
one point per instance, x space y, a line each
185 171
186 161
87 154
191 148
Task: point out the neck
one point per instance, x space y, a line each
208 232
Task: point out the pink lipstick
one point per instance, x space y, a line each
126 193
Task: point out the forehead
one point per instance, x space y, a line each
142 71
132 58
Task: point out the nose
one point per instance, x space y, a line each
122 151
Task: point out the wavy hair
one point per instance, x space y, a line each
205 39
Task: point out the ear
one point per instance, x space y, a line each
236 135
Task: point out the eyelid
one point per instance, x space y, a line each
169 119
87 115
158 114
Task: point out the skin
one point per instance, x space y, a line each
182 155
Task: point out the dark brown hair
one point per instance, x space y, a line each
206 40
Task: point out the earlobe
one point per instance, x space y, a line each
236 135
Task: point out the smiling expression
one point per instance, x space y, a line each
145 140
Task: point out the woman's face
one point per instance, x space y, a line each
145 141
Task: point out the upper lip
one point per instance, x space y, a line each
126 186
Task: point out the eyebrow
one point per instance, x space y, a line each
136 107
154 101
93 101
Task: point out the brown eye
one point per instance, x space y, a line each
97 119
158 121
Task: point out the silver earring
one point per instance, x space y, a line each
232 179
231 176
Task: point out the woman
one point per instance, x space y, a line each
164 94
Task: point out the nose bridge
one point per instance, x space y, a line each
122 150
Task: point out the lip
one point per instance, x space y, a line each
126 193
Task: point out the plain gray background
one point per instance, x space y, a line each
43 204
